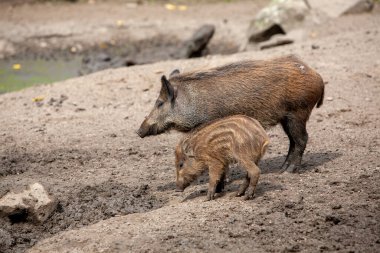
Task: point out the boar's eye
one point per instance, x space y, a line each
159 103
181 164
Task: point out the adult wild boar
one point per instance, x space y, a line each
282 90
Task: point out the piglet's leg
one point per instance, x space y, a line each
253 173
243 187
216 172
220 186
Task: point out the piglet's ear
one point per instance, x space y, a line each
167 89
189 152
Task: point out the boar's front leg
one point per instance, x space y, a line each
216 172
295 128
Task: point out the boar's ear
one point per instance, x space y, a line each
174 73
167 89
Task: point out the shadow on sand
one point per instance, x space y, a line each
268 165
309 161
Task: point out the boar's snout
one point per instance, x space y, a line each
148 130
142 132
145 129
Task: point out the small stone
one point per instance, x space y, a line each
314 46
294 248
80 109
34 202
329 98
337 206
333 219
232 220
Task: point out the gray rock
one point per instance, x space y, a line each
279 17
359 6
275 41
34 202
196 45
338 8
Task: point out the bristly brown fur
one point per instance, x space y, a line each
282 90
214 146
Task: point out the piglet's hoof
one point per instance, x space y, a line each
248 197
207 199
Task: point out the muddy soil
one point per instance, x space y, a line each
78 208
79 141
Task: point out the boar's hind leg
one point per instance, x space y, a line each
295 128
216 172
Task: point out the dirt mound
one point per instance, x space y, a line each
80 207
292 218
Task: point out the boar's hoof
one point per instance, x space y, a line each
291 168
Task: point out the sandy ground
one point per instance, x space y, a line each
116 190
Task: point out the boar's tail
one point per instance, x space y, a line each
320 101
